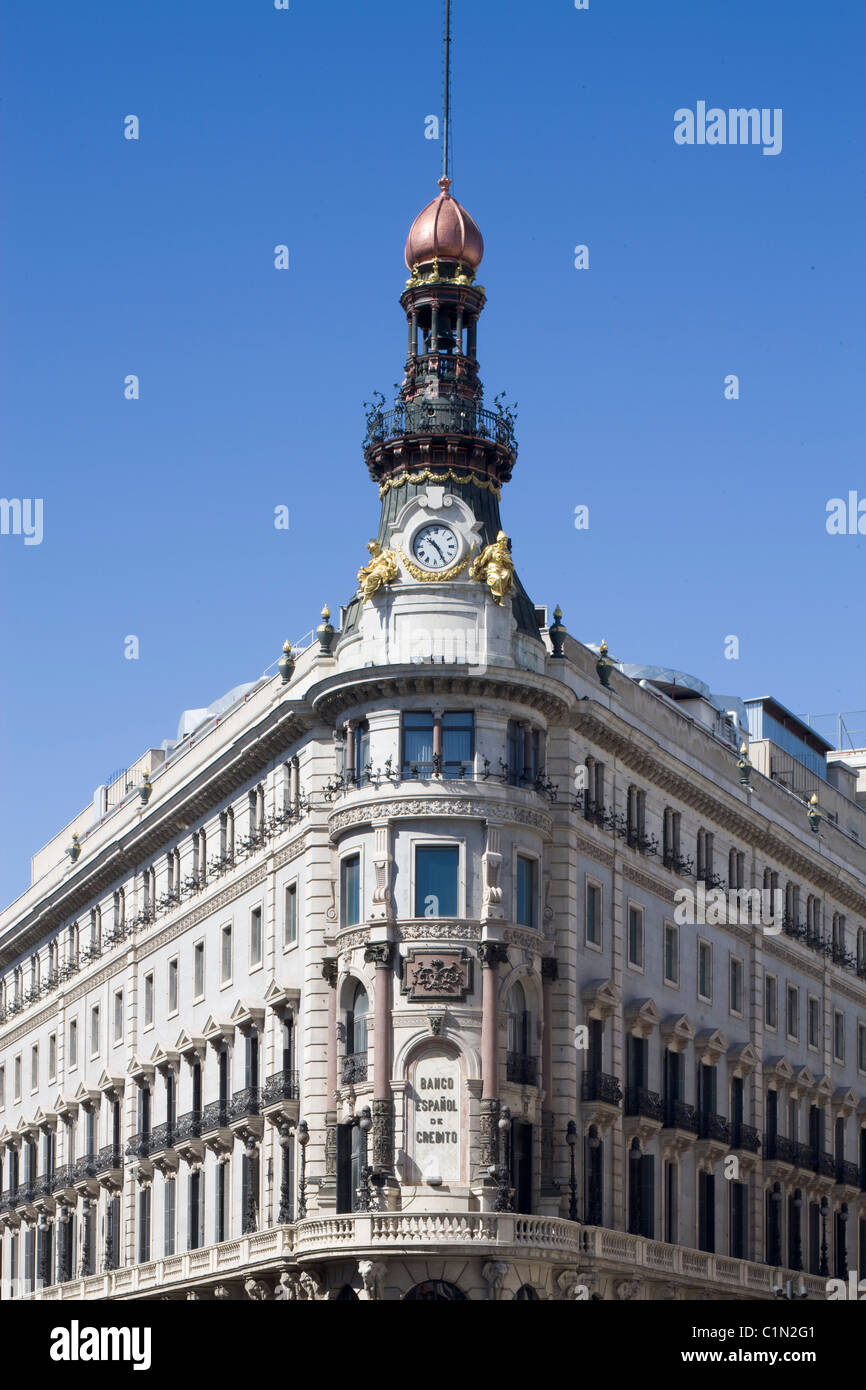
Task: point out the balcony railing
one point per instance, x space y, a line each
715 1127
680 1115
823 1163
445 415
520 1069
162 1137
354 1067
139 1145
283 1085
647 1104
745 1137
62 1178
189 1126
214 1116
108 1158
245 1102
780 1148
84 1167
7 1199
847 1174
598 1086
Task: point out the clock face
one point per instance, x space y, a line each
435 546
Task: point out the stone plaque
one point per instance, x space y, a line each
435 1119
437 975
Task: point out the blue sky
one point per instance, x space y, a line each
306 127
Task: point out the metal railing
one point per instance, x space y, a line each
598 1086
745 1137
711 1126
647 1104
443 416
521 1069
680 1115
283 1085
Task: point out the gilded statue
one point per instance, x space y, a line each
494 567
382 569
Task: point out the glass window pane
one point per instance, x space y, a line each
436 870
350 895
418 742
457 739
525 891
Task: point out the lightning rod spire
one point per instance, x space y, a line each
446 123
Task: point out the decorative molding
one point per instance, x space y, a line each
441 806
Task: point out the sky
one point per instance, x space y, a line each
305 127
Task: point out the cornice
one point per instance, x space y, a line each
258 745
473 807
332 698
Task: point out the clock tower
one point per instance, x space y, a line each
440 460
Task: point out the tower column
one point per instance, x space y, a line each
492 954
381 954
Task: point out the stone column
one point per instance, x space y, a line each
437 741
548 975
381 955
327 1189
492 955
350 748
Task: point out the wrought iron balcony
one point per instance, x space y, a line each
109 1157
801 1154
139 1145
189 1126
823 1163
354 1067
162 1137
7 1199
283 1085
24 1194
745 1137
647 1104
214 1116
680 1115
847 1174
777 1147
679 863
445 415
598 1086
84 1167
715 1127
61 1178
245 1102
521 1069
43 1186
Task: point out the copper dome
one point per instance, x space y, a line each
444 231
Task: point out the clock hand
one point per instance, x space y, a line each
436 548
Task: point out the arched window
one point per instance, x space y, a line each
434 1291
527 1294
356 1022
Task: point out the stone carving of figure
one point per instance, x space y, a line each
382 569
256 1289
311 1286
493 1273
495 568
372 1274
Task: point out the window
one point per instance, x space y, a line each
172 986
705 856
861 1050
770 1002
670 838
736 869
255 937
16 1077
839 1035
144 1225
148 999
34 1067
593 913
350 891
705 970
198 970
226 955
437 880
170 1215
73 1043
290 918
736 986
356 1022
118 1015
454 731
792 1012
2 1088
527 874
672 954
94 1031
519 1031
593 797
635 936
635 817
813 1021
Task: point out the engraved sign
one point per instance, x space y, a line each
434 1119
436 975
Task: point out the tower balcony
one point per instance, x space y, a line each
440 415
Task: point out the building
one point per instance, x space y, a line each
453 959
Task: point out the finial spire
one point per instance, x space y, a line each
446 123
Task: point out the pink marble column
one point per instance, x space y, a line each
492 954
